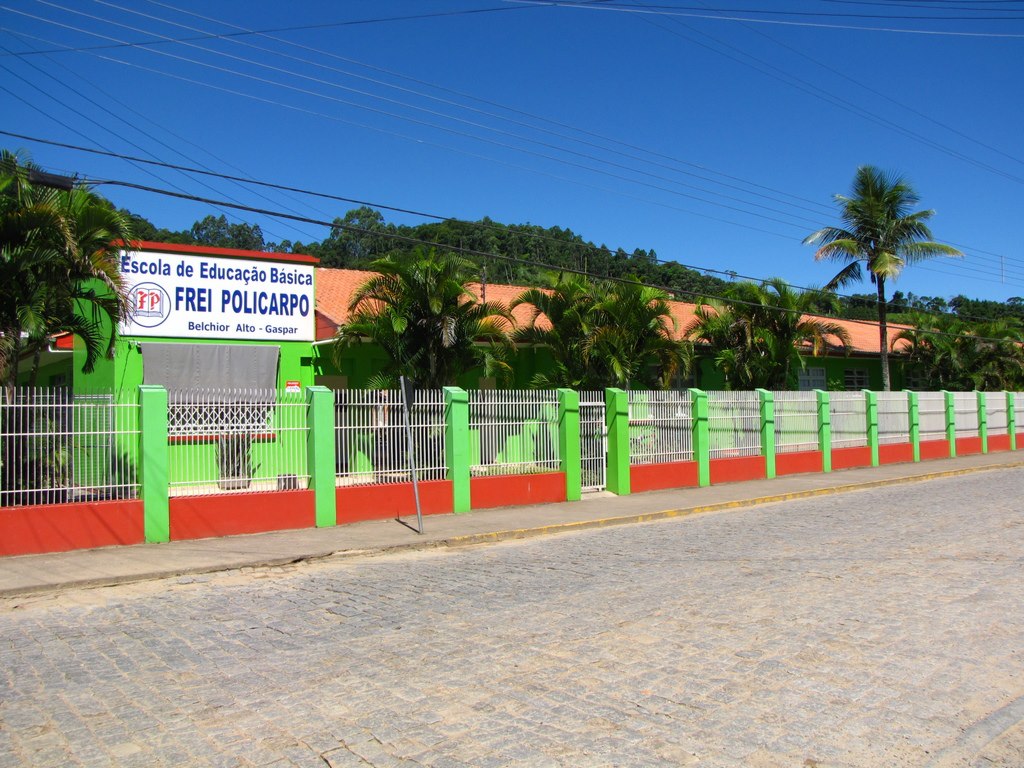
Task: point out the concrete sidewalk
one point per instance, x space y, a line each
115 565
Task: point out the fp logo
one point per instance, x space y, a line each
151 304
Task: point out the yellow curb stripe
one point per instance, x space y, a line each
646 517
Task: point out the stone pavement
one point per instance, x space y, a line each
883 627
117 565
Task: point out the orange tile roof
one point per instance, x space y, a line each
335 288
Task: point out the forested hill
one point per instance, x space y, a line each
363 235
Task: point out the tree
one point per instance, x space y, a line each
432 327
215 231
59 254
948 353
757 331
566 308
632 341
600 335
881 232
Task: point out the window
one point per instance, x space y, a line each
855 379
811 378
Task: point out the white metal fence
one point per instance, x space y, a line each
893 417
61 446
848 413
995 412
734 424
660 426
965 413
371 442
236 440
796 421
931 415
593 440
513 432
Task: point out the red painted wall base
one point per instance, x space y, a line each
847 458
968 445
895 453
63 527
734 470
655 477
516 490
202 517
386 502
998 443
797 463
934 449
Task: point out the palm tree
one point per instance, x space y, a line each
432 327
59 254
632 340
758 329
566 308
949 353
882 233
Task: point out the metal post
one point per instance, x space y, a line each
1011 420
410 453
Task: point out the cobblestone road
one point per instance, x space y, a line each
876 628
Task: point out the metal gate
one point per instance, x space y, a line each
593 440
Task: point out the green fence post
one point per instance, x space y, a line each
154 477
824 429
617 419
950 422
766 402
1011 420
701 435
982 420
569 442
914 423
871 423
320 454
456 445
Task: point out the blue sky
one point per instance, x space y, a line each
717 142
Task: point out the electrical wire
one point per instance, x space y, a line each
699 296
442 218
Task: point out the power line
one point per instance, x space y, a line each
301 27
441 127
752 20
413 212
474 252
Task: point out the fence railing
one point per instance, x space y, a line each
58 446
660 427
893 417
965 408
236 440
371 442
734 423
796 421
996 413
513 431
931 408
848 412
61 446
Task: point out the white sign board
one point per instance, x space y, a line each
209 297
